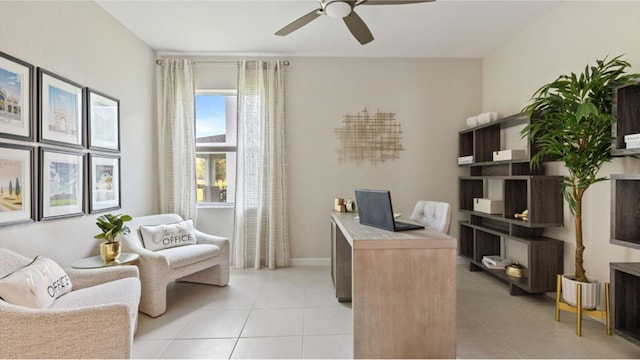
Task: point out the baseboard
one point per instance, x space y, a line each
310 261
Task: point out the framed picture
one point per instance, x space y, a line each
17 203
61 183
103 119
104 183
16 98
61 110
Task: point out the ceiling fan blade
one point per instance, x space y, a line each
358 28
300 22
391 2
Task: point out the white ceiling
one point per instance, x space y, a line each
445 28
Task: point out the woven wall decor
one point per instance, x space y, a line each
374 137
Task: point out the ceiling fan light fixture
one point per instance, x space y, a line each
337 9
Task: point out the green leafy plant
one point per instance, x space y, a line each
571 123
112 226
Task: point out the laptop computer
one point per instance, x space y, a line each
374 209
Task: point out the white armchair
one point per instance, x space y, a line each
97 319
206 262
433 214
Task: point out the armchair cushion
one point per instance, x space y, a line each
187 255
165 236
36 285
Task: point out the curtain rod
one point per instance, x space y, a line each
159 62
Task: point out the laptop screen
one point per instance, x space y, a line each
374 208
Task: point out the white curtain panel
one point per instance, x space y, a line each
261 236
177 170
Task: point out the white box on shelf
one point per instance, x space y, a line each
632 137
488 206
465 160
509 155
635 144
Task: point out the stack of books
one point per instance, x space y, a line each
632 141
495 262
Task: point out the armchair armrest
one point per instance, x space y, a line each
74 333
83 278
204 238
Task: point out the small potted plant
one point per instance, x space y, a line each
571 123
111 226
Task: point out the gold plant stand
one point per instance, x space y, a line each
579 311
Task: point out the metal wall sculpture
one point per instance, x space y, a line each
374 137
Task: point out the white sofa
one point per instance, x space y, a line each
206 262
97 319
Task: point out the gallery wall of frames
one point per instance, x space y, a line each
60 156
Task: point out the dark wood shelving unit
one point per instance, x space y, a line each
625 302
522 188
625 210
626 109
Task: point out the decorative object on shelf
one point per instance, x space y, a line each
502 155
515 270
350 205
17 199
488 206
495 262
462 160
16 114
338 205
62 179
482 119
572 119
111 226
103 121
104 183
61 111
376 137
524 216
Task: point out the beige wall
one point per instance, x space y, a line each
80 41
569 37
431 99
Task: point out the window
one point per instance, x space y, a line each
216 147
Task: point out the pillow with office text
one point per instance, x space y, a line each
159 237
36 285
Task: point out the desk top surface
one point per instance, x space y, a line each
368 237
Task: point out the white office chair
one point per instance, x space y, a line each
433 214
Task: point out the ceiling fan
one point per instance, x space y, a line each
344 9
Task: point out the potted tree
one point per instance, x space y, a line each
571 123
111 226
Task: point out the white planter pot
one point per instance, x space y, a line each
590 292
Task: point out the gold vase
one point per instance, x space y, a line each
110 251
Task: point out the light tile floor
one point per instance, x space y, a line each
292 313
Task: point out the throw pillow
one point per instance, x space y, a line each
36 285
159 237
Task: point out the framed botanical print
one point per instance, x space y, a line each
61 183
103 119
16 98
61 110
17 203
104 183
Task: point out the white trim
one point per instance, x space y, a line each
310 261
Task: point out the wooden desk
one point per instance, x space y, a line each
404 289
